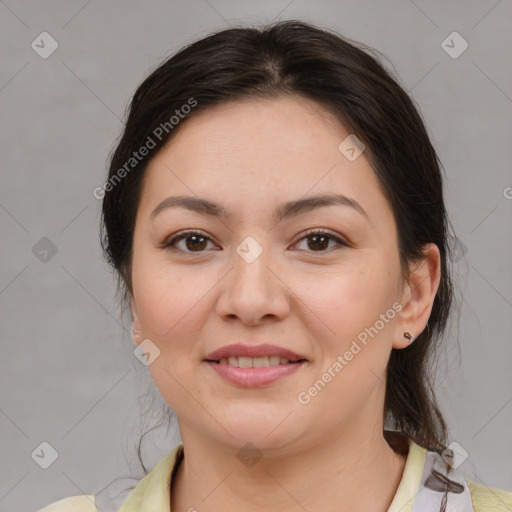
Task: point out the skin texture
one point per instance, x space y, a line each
250 157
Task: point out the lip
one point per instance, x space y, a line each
240 350
254 377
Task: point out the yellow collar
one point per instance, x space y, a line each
152 492
411 479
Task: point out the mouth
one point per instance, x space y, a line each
257 372
255 362
254 356
254 366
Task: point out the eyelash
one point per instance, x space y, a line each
169 243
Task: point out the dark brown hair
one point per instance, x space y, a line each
346 77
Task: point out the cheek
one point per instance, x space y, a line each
172 310
352 294
343 306
352 341
169 309
167 295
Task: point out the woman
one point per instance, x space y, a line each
274 212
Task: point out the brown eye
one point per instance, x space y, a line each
193 241
318 241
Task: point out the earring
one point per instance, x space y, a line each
136 332
409 336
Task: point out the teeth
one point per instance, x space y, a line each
254 362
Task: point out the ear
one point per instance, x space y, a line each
136 322
418 296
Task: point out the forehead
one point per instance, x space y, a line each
283 125
258 150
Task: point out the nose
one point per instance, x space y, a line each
253 291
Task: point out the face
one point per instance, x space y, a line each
323 281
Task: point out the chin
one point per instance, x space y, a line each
264 435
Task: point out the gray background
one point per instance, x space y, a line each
68 373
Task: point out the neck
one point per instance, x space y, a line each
358 471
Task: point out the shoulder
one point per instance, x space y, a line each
488 499
84 503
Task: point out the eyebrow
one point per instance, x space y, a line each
284 211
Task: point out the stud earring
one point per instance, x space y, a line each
136 332
409 336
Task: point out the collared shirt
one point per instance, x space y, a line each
428 484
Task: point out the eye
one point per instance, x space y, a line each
194 241
319 240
